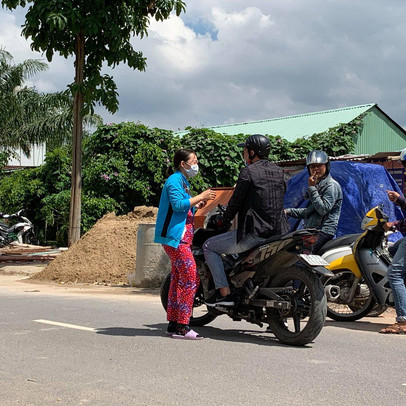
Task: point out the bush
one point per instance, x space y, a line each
125 165
22 190
220 160
127 162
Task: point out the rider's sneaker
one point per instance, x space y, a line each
218 300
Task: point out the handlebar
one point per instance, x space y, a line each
10 216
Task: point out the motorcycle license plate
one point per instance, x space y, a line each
314 260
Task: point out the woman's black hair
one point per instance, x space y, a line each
182 154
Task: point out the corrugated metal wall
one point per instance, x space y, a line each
379 134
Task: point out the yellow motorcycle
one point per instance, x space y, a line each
360 283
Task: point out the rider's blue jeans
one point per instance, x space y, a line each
396 277
226 244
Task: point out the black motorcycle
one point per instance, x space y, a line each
277 283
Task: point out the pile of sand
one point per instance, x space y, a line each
105 254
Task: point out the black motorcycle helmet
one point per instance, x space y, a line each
257 143
318 157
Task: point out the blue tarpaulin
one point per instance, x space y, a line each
364 187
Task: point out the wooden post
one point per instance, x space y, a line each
76 184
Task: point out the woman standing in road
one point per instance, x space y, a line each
174 230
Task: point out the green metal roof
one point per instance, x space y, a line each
293 127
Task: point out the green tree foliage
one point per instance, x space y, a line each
220 160
125 165
128 162
107 28
24 112
27 116
335 141
94 32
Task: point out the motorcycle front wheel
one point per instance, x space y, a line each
359 306
200 312
377 310
302 323
29 238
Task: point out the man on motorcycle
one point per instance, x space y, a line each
325 198
397 271
258 201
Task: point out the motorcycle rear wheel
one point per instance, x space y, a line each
302 323
200 312
30 238
361 305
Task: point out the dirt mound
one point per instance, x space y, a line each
105 254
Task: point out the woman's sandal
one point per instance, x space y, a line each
397 328
190 335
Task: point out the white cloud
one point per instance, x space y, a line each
240 25
11 39
237 61
179 47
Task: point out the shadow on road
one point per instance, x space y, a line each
212 333
256 337
359 325
242 336
129 332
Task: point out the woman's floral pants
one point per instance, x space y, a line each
184 283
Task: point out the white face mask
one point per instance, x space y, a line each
192 171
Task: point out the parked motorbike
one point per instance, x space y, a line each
22 230
333 250
277 282
360 282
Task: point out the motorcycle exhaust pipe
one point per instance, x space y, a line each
332 292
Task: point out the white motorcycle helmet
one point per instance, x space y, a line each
402 157
318 157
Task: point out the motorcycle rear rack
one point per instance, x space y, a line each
278 304
275 300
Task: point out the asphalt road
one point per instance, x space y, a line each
111 350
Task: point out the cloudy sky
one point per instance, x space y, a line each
233 61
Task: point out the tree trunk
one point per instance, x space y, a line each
76 188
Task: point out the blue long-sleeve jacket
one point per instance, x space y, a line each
323 211
173 209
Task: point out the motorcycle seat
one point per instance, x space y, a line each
6 229
339 242
272 239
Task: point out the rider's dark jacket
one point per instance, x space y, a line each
258 200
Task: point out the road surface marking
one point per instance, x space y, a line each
57 323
